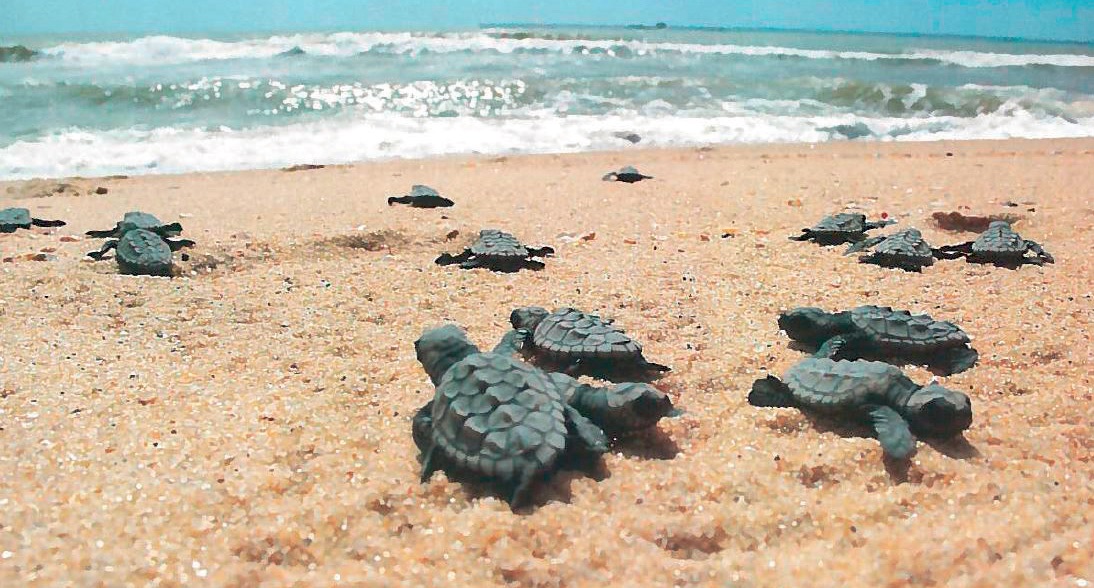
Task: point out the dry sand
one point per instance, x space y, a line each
249 425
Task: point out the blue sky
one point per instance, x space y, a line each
1043 19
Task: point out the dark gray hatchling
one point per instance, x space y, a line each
627 175
845 227
879 332
13 219
498 251
580 343
869 391
139 220
906 250
999 245
501 420
142 252
421 197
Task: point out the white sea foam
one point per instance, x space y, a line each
381 136
168 50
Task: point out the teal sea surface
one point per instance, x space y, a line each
156 104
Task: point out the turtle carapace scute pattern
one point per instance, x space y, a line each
906 250
421 196
13 219
844 227
627 175
497 251
503 421
874 392
1000 245
881 333
143 252
579 343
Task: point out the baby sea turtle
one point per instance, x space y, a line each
142 252
138 220
497 251
501 419
999 245
869 390
579 343
844 227
907 250
879 332
12 219
628 175
421 197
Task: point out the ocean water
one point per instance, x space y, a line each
156 104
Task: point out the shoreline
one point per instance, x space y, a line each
248 423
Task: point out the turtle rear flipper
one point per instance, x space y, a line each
863 245
833 347
98 255
41 222
449 259
176 244
893 432
399 200
954 251
805 235
955 360
533 265
771 392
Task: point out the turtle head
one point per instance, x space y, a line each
935 411
808 325
441 347
528 317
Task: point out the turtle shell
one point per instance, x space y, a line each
419 190
577 335
14 218
496 416
144 253
841 386
908 244
900 328
498 245
999 239
842 223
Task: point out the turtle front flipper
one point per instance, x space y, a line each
106 234
863 245
591 440
512 342
98 255
41 222
399 200
545 251
954 251
422 426
833 347
534 265
892 431
622 408
871 225
176 244
1042 255
805 235
955 360
449 259
168 230
771 392
429 463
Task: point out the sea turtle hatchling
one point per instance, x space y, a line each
844 227
999 245
502 420
136 219
142 252
497 251
906 250
869 390
879 332
421 197
12 219
627 175
579 343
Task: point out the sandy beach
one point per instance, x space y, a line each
247 423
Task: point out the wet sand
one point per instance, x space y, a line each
248 424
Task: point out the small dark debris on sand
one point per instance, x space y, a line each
302 167
372 241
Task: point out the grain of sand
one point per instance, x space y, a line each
249 424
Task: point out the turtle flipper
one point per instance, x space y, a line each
176 244
41 222
534 265
449 259
512 342
863 245
545 251
832 347
1040 252
805 235
103 234
428 463
771 392
892 431
168 230
590 438
871 225
399 200
98 255
422 426
954 251
956 360
522 490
